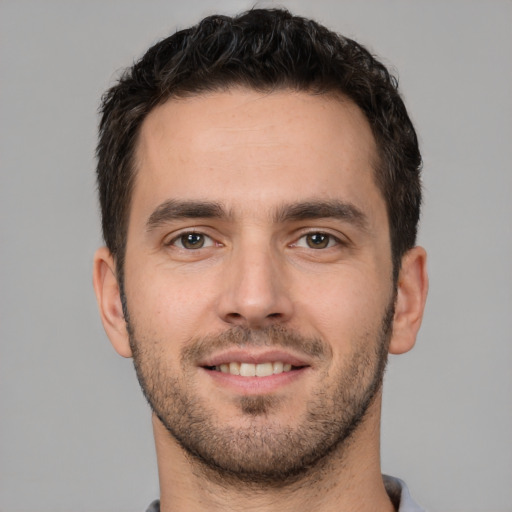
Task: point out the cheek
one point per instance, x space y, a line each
167 306
345 308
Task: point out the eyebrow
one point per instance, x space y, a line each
333 209
174 209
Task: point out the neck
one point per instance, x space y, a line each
349 479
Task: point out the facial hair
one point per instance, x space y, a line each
263 451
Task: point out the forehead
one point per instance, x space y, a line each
241 148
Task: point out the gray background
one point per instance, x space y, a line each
74 429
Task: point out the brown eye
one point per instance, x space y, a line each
192 241
318 240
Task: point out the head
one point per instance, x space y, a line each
259 184
263 50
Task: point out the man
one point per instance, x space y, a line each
260 192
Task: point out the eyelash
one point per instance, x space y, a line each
332 240
181 237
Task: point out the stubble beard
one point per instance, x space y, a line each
263 452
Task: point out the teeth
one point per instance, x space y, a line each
264 369
247 370
277 367
234 368
254 370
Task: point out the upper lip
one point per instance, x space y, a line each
254 357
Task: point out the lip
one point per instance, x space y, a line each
254 357
248 386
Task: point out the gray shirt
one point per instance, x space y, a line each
396 488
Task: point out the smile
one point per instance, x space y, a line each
254 370
246 373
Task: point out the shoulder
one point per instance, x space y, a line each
154 507
400 496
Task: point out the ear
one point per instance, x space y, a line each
412 291
108 296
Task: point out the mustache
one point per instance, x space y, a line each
243 337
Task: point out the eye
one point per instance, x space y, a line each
192 241
317 240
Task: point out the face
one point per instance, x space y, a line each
258 277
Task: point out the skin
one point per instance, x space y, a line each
256 155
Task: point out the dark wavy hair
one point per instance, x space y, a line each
264 50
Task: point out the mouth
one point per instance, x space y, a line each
251 372
264 369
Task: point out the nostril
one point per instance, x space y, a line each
253 320
234 317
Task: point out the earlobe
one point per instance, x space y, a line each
412 291
108 296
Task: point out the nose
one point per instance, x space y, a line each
254 289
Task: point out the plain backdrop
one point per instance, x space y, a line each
75 432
